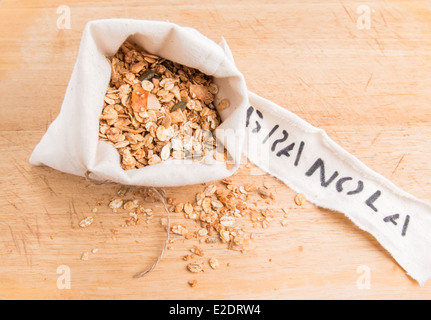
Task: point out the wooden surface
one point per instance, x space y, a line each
370 89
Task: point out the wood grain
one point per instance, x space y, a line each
368 88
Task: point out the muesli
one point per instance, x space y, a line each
155 110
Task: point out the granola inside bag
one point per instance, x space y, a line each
101 135
156 110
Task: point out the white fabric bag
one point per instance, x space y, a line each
279 142
71 143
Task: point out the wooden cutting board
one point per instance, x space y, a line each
362 73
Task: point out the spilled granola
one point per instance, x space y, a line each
86 222
155 109
217 215
300 199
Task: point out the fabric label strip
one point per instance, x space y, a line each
309 162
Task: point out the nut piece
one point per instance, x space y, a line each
86 222
198 91
214 264
300 199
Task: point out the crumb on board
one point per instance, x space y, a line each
84 223
214 263
195 267
84 256
193 283
300 199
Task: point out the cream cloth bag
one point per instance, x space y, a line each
279 142
71 143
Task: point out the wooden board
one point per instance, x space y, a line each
310 57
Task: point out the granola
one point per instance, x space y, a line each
300 199
214 264
86 222
84 256
195 267
216 216
193 283
155 110
218 210
179 229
